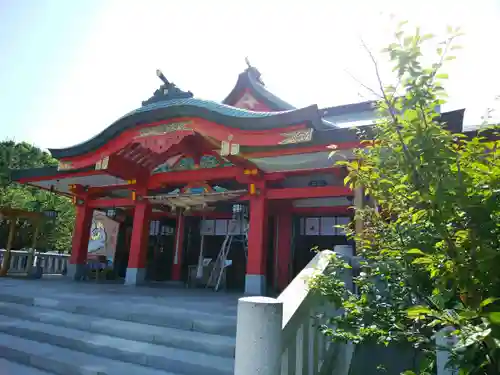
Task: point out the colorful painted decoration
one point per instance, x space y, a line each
298 136
247 101
197 188
206 161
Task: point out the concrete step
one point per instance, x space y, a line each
223 346
13 368
62 361
139 353
159 315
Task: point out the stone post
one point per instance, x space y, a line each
346 252
258 336
443 342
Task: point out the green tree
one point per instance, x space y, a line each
54 235
431 243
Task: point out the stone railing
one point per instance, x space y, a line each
50 263
282 335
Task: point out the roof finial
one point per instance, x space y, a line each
247 61
253 71
160 75
167 91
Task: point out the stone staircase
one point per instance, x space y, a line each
116 331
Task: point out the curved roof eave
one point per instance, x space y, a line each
189 107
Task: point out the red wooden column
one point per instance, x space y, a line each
80 241
283 246
255 279
178 247
136 269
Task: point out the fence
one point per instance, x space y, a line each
50 263
282 335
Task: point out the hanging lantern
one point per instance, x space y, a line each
239 211
154 228
166 230
51 214
111 213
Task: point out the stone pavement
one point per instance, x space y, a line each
64 327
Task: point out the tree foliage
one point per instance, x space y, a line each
431 243
54 235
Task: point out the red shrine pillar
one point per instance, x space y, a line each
178 247
283 247
136 269
255 279
80 241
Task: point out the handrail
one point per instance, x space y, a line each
50 263
282 336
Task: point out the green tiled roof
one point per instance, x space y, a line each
207 104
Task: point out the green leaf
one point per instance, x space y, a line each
416 251
494 317
423 260
347 179
401 24
468 314
450 58
442 76
488 301
416 311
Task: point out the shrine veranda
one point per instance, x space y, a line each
180 174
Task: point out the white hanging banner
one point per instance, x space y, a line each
207 227
327 227
342 220
220 227
312 226
234 227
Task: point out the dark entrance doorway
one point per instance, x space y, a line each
212 245
160 250
308 239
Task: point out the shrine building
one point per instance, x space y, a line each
183 176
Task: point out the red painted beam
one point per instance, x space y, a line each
304 150
275 176
180 177
323 211
100 190
113 202
309 192
206 215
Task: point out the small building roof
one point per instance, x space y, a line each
250 79
21 214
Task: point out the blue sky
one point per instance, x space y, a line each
69 68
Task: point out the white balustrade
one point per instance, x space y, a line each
51 263
282 335
444 342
